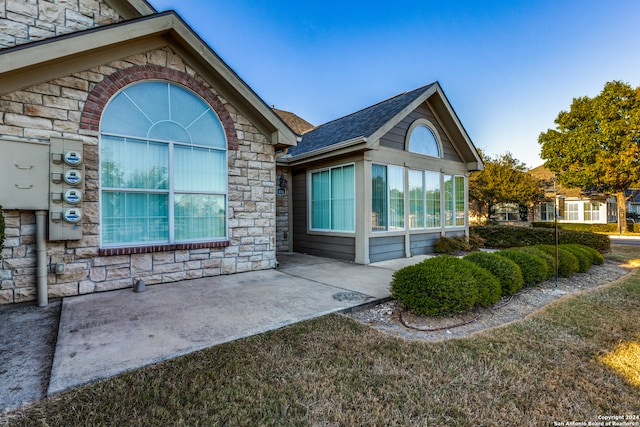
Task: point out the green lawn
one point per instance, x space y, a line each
573 361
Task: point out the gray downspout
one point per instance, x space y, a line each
41 258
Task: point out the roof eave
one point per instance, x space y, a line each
352 145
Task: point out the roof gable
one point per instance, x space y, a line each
361 124
367 126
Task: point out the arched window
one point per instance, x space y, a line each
422 139
163 167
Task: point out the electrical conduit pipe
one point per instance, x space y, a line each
41 258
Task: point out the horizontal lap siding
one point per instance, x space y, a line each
396 137
313 244
384 248
423 243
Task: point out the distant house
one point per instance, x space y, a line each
132 151
572 204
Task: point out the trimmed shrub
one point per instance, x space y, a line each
452 245
596 257
504 236
550 261
441 286
532 267
489 288
568 264
505 270
449 245
582 255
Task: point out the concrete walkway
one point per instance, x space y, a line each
101 335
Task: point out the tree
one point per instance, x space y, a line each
503 180
596 145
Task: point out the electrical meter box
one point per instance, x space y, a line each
24 175
66 187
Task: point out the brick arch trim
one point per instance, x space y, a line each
107 88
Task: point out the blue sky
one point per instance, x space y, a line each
507 67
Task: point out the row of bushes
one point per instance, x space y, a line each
593 228
448 285
509 236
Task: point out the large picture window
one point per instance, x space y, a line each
163 167
427 198
333 199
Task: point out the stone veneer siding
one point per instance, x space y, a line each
55 109
282 211
24 21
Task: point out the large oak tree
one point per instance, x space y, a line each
596 145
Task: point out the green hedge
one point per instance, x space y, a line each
592 228
444 285
534 269
504 236
568 263
585 260
505 270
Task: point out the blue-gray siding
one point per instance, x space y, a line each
396 137
314 244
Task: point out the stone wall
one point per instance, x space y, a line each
23 21
54 109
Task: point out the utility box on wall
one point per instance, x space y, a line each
24 175
66 186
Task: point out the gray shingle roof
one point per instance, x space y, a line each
362 123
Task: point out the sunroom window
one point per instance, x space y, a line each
163 167
333 199
387 197
454 213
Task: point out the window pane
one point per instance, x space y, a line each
422 141
342 199
133 163
416 200
320 213
396 197
432 195
379 197
199 216
459 197
134 217
199 169
448 201
123 117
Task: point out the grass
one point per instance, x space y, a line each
573 361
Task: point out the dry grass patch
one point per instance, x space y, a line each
334 371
